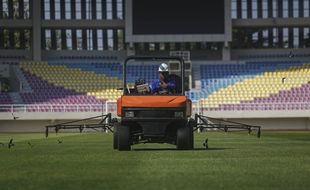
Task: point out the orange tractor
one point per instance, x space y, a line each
146 117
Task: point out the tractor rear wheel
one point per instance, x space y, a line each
191 124
115 135
123 138
183 138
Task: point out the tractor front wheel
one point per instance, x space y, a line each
123 138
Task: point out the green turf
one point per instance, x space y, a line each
279 160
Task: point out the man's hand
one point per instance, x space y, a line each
163 84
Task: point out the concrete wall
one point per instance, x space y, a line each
15 55
30 116
36 122
16 126
26 122
278 123
235 114
4 71
265 123
235 53
52 54
195 55
15 84
24 126
289 119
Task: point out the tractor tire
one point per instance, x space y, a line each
191 124
115 135
123 138
183 138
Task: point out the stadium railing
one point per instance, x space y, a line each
198 107
110 107
106 107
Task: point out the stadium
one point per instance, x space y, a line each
242 62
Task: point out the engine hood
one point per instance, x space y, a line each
153 101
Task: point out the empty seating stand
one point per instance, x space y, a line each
254 85
269 85
79 82
5 98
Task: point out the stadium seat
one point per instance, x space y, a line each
253 85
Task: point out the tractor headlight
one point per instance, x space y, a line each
178 114
129 114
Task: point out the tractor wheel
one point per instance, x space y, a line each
115 135
191 124
183 138
123 138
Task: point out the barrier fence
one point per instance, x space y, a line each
110 107
107 107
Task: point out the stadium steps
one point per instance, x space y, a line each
196 77
20 76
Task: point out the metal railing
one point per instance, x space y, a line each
198 107
107 107
110 107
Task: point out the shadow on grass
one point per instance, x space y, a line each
174 149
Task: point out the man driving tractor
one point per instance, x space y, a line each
163 85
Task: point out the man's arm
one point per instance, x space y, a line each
170 84
155 86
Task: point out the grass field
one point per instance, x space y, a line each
279 160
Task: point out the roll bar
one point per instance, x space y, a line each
152 58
